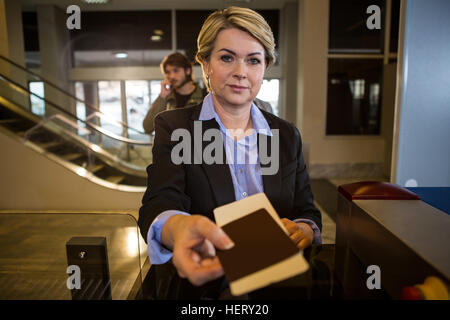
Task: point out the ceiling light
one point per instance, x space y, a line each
156 38
121 55
96 1
159 32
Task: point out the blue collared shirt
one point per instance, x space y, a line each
242 159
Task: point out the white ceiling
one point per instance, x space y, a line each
107 58
115 5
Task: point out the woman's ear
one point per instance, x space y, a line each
205 68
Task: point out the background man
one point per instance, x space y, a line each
177 89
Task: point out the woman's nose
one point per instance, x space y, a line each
240 70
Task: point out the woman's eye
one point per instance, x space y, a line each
226 58
254 61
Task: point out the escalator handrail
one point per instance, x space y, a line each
88 105
93 126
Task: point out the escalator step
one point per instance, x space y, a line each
115 179
20 133
12 120
97 168
48 145
71 156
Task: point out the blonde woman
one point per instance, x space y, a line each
235 47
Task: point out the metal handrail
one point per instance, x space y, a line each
55 116
92 148
88 105
93 126
104 116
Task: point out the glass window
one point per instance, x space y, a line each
37 104
122 38
30 31
80 106
138 103
110 106
348 29
155 90
357 88
31 39
270 92
354 96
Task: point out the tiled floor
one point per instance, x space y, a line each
33 254
328 227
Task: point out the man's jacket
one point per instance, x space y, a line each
168 103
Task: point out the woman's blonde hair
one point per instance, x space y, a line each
235 17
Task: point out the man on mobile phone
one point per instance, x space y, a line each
178 88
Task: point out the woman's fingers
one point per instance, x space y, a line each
297 234
205 249
304 243
211 269
200 272
194 250
291 226
210 231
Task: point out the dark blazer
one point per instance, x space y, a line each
200 188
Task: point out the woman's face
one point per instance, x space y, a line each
235 68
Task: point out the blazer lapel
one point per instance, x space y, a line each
271 183
219 175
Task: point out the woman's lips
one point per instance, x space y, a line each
237 88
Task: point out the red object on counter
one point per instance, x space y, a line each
411 293
433 288
375 190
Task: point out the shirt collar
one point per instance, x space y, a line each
208 112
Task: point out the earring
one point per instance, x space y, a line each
207 77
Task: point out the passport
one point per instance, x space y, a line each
263 252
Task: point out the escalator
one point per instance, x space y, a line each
81 145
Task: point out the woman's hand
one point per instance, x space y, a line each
193 239
301 233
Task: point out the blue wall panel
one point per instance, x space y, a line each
424 126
